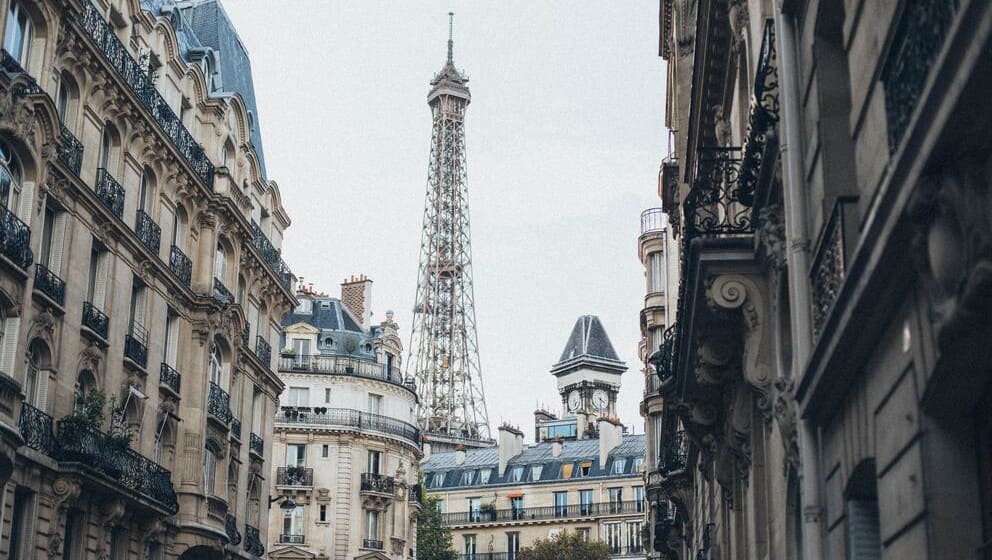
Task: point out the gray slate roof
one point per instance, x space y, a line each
589 338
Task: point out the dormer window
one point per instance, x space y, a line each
535 472
368 348
437 480
484 475
468 478
329 342
516 474
304 308
618 465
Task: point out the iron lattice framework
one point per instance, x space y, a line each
444 348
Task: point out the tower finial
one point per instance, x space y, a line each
451 41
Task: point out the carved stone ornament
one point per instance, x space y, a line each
721 126
770 235
787 417
738 19
16 114
65 492
715 359
731 291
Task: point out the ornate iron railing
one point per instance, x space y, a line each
148 231
168 376
110 192
574 511
219 403
379 483
271 256
829 265
343 365
15 239
285 538
102 454
10 65
416 494
676 453
37 429
143 88
180 265
236 428
488 556
918 40
664 359
95 320
221 293
48 283
263 350
718 204
348 418
231 528
253 542
70 152
256 443
135 350
372 544
764 110
294 476
652 220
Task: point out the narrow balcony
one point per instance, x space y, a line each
289 538
343 365
169 378
663 359
231 528
148 231
219 404
180 265
271 256
719 204
372 544
135 350
653 221
378 483
256 444
221 293
37 429
416 495
294 476
110 192
830 263
263 350
236 428
95 321
675 455
15 239
49 285
253 541
70 152
543 513
349 418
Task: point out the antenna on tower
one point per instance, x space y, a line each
451 36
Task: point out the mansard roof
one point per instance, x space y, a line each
588 345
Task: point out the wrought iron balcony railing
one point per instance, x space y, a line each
652 220
271 256
148 231
718 204
263 350
10 65
663 359
256 443
110 192
15 239
143 88
416 494
95 320
231 528
764 110
180 265
294 476
48 283
575 511
221 293
343 365
168 376
675 454
253 541
236 428
135 350
349 418
37 429
372 544
918 40
288 538
70 153
219 403
379 483
829 265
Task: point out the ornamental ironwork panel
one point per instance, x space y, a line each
231 528
286 538
294 476
346 417
133 74
253 542
10 65
148 231
236 428
764 112
344 365
15 239
37 429
271 256
48 283
571 511
180 265
372 482
95 320
219 403
919 38
676 453
256 443
719 203
135 350
829 266
664 359
70 151
110 192
416 494
221 293
372 543
168 376
263 350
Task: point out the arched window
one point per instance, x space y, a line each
17 36
216 367
85 382
145 191
66 100
227 156
220 263
10 179
179 229
108 146
209 470
36 374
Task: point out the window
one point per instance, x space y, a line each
656 272
375 404
36 377
517 507
584 468
562 431
107 145
179 229
638 461
619 464
561 504
305 307
20 523
633 537
616 499
585 502
468 478
63 100
471 547
145 191
17 38
53 238
374 462
96 285
566 470
639 498
584 533
292 523
216 365
137 313
171 337
323 513
327 395
325 450
74 540
535 472
861 508
474 509
484 475
220 263
299 396
614 538
302 348
296 455
10 180
372 525
118 543
437 480
439 504
209 471
516 474
512 545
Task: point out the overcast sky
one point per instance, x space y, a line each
564 136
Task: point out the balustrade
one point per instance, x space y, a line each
352 419
15 239
181 265
95 320
48 283
110 192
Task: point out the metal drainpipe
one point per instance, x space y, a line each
798 259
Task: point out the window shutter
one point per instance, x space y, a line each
9 349
172 349
27 202
169 224
42 402
252 322
100 281
863 534
58 242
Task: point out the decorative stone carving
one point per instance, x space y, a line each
787 417
65 491
733 291
770 235
16 114
721 127
738 19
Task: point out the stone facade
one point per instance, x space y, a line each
139 258
347 449
821 388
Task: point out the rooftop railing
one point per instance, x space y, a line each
348 418
574 511
652 220
343 365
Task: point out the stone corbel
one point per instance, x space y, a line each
715 361
65 492
113 512
787 418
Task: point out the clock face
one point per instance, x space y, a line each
574 401
600 399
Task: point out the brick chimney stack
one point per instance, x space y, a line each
356 295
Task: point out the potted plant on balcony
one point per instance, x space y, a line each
488 511
288 352
85 418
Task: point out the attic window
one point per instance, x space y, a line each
368 348
328 341
325 305
305 307
535 472
437 480
618 465
516 474
468 478
484 475
584 468
566 470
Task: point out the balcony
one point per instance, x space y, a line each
653 221
110 192
49 284
141 85
762 120
15 239
416 494
348 418
221 293
70 152
294 476
718 204
253 542
95 320
285 538
180 265
830 263
236 428
263 350
148 231
378 483
231 528
168 377
489 556
675 456
663 359
256 444
271 256
576 511
219 403
135 349
37 429
343 365
372 544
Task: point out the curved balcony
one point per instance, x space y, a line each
653 221
553 513
344 365
253 541
347 418
231 528
294 476
378 483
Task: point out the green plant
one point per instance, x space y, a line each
351 343
567 544
288 351
88 409
433 536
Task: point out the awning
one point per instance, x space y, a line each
515 495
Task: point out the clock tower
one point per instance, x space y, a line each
588 374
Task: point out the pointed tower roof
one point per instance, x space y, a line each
449 80
589 346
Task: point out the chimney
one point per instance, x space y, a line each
511 443
581 423
610 434
460 457
427 453
556 448
356 295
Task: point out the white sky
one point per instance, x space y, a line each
564 135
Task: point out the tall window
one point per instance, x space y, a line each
220 263
616 499
145 191
17 37
106 146
474 509
375 403
74 541
302 348
656 272
471 546
618 465
171 337
517 507
639 498
585 502
633 536
34 375
535 472
561 504
296 455
374 464
863 530
512 545
209 471
292 521
20 523
179 229
299 396
614 537
53 238
216 366
10 179
137 312
372 525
